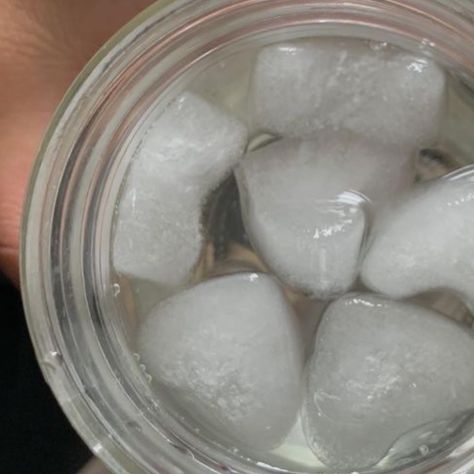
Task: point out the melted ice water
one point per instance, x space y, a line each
229 249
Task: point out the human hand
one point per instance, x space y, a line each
43 46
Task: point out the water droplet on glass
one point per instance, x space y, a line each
424 450
116 289
52 361
377 45
97 448
133 425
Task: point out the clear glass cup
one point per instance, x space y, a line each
82 317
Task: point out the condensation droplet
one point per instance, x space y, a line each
424 450
133 425
377 45
97 448
52 360
426 43
116 289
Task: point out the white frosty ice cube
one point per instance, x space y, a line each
193 143
230 352
425 241
300 211
187 151
379 370
302 87
158 237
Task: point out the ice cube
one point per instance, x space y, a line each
425 241
185 154
300 88
193 143
230 353
301 213
379 370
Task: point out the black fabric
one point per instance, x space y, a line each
35 436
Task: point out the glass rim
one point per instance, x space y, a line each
37 296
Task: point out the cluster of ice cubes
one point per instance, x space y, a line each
331 199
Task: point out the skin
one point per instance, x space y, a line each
43 46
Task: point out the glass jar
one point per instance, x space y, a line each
80 314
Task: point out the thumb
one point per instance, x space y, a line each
43 45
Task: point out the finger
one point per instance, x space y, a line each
43 45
